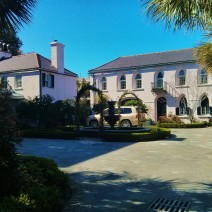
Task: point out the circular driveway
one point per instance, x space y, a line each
121 176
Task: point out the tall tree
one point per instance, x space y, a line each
10 37
190 14
9 137
14 13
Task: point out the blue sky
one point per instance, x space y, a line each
95 32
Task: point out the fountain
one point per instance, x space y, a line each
111 118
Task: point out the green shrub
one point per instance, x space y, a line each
154 134
21 203
42 187
52 134
209 124
182 125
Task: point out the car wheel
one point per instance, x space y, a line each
125 123
93 123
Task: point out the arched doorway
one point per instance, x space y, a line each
161 107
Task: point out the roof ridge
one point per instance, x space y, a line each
157 52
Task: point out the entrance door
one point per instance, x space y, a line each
161 106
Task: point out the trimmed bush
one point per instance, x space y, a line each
209 124
52 134
182 125
42 187
155 133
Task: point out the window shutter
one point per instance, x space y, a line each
177 111
43 79
198 111
52 81
210 110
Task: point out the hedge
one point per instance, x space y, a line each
182 125
42 187
155 133
209 124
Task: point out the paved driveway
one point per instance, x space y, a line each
128 176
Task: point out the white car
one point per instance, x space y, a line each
129 116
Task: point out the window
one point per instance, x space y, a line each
126 111
122 82
181 77
203 77
18 81
204 106
160 80
3 82
104 83
183 106
138 81
47 80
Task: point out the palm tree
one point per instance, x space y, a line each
14 13
203 55
190 14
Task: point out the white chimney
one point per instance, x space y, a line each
57 51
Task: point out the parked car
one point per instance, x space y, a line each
129 116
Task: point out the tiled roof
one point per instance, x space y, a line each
147 60
27 62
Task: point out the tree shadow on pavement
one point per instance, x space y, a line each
67 153
107 191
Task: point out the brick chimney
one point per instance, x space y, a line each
57 52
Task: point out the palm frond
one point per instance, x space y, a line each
15 13
190 14
203 55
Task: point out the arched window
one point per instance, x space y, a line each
181 77
183 106
138 81
123 82
204 106
104 83
203 77
160 80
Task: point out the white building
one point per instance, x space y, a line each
34 75
167 82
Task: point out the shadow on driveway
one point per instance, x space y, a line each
67 153
106 191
